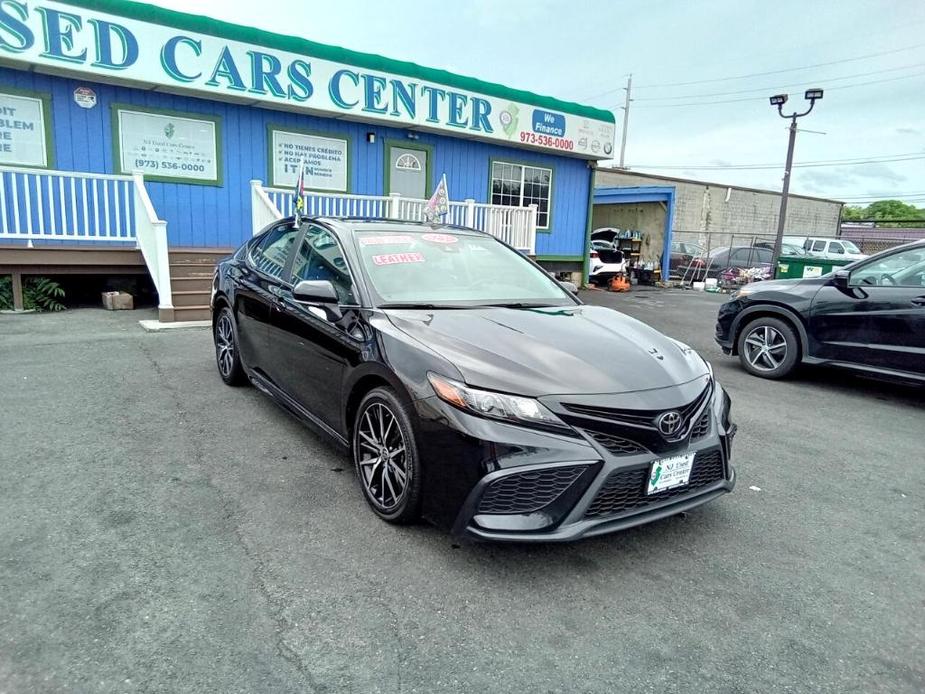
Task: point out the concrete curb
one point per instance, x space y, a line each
155 326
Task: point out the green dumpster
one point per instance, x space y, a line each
798 266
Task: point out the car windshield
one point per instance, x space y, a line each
850 247
447 267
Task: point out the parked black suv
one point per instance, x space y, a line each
868 316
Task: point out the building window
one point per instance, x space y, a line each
518 186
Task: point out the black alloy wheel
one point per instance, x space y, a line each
386 458
227 357
768 348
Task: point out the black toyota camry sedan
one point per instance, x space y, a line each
868 316
470 387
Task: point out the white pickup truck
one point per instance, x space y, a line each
829 248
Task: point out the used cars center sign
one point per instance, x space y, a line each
60 35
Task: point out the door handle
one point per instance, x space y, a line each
919 301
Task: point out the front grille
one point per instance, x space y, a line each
702 427
642 418
616 444
525 492
625 489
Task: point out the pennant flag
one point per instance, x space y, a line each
298 203
439 203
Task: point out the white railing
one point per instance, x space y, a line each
513 225
46 205
263 210
151 234
53 207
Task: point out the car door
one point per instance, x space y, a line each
256 288
878 319
313 346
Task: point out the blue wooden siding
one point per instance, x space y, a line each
200 215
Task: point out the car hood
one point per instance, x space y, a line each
552 351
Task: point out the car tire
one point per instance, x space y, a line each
385 456
768 348
227 352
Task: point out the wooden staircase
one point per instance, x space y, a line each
191 271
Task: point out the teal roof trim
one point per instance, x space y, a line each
268 39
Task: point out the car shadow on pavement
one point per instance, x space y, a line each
849 383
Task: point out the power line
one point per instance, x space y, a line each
779 86
761 98
885 196
911 156
777 72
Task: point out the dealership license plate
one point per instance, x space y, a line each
670 472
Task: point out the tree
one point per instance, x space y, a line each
852 213
883 211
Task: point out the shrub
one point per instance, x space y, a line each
38 294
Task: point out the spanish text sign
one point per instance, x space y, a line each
22 131
325 160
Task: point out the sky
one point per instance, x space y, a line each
686 112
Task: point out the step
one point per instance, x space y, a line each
197 256
191 298
191 271
186 313
180 284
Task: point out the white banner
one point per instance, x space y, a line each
23 138
227 64
325 161
165 146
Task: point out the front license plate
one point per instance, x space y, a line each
670 472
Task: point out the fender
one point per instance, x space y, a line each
784 312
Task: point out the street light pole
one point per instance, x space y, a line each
811 95
782 217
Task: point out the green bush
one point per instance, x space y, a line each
38 294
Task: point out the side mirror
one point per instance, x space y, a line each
841 278
315 292
570 286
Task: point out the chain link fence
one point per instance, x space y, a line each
697 255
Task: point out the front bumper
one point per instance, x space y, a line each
725 333
510 483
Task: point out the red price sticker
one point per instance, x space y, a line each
439 238
397 258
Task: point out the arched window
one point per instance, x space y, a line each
408 162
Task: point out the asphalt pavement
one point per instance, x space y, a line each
161 532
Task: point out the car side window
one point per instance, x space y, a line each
321 258
819 246
272 251
903 269
836 247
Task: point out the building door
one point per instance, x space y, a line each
408 168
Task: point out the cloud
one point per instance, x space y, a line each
870 177
908 131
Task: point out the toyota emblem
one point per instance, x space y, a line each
669 423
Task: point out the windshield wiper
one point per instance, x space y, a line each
428 307
519 304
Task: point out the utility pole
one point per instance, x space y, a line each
626 117
811 95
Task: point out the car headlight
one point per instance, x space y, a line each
486 403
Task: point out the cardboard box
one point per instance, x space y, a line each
118 301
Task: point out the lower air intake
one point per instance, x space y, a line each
526 492
625 490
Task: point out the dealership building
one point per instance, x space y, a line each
139 139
